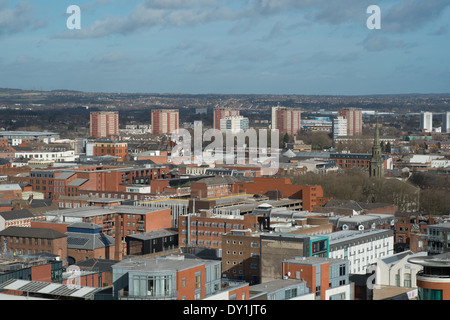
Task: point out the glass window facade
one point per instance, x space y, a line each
429 294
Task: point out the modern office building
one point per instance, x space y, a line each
165 121
286 120
426 121
221 113
104 124
354 120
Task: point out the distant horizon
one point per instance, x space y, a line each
236 94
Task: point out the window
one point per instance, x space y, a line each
198 280
342 271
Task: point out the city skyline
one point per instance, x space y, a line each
229 47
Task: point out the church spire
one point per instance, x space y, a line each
376 168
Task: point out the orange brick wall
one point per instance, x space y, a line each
42 273
160 219
189 290
310 195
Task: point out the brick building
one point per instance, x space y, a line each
311 195
206 230
104 124
327 278
165 121
277 247
172 278
111 148
86 241
354 120
10 191
16 218
221 113
132 219
96 180
20 240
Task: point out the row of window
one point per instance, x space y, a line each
29 241
214 225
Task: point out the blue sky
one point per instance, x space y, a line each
229 46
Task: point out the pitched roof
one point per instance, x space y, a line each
32 233
16 214
88 241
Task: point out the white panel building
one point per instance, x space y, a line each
426 121
361 248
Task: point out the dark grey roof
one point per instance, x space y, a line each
154 234
39 203
101 265
77 182
88 241
64 175
32 233
16 214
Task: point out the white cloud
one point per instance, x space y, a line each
19 18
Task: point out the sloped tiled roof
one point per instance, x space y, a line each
32 233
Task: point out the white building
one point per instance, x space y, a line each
57 156
339 127
426 121
234 123
446 122
395 270
361 248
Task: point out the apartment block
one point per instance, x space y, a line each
104 124
234 124
354 120
286 120
221 113
361 248
426 121
164 121
241 255
446 122
206 229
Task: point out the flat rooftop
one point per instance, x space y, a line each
92 211
150 265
